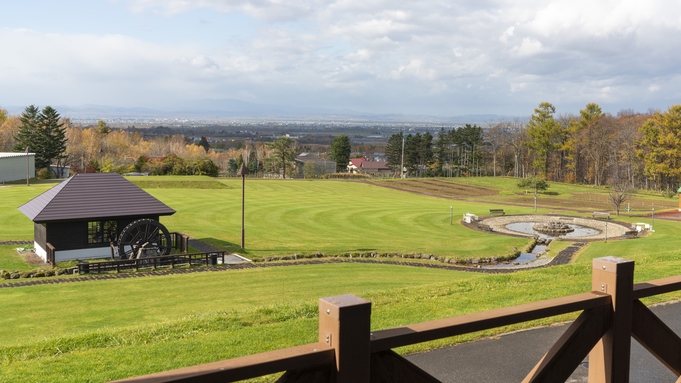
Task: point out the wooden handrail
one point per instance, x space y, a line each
442 328
247 367
656 287
345 346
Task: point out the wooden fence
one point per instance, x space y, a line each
179 241
210 258
347 352
50 255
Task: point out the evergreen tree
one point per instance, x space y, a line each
253 164
284 153
203 142
543 132
53 135
340 152
27 136
393 151
43 134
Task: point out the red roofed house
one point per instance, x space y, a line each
355 164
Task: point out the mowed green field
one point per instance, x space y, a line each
287 217
97 331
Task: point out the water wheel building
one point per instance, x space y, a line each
80 217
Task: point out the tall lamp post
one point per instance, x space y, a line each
27 168
242 172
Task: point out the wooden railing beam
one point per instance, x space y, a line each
656 337
570 349
427 331
246 367
656 287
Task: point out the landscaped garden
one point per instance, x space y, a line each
100 330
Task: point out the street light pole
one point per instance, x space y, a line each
242 172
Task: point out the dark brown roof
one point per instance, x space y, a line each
93 195
375 165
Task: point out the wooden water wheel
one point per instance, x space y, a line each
143 238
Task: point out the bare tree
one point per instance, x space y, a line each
620 191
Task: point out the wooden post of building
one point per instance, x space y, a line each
344 324
610 358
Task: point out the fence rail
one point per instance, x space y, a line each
210 258
348 353
50 255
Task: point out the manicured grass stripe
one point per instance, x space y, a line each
92 305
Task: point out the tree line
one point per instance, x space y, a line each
637 150
640 150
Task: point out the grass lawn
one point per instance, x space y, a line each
110 329
157 299
11 260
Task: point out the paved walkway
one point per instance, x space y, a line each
202 247
508 358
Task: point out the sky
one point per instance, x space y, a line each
426 57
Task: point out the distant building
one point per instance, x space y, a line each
375 167
13 166
355 164
60 171
316 163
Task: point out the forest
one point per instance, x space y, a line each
639 150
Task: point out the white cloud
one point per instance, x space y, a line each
528 47
404 52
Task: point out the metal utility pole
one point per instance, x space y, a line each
242 172
27 171
402 162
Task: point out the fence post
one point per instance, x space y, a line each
344 324
610 358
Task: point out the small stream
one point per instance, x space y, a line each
526 228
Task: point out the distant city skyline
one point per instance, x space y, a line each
427 58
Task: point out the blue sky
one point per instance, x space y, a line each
425 57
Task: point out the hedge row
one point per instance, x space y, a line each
431 257
40 273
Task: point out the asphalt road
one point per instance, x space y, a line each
510 357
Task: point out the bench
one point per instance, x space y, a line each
496 211
603 214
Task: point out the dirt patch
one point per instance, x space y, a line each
436 187
669 215
33 259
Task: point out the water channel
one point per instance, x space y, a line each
527 228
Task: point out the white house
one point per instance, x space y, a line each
15 166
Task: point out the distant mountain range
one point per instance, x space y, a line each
229 109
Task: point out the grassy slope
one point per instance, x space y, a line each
157 299
163 333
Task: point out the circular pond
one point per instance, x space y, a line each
529 228
582 228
